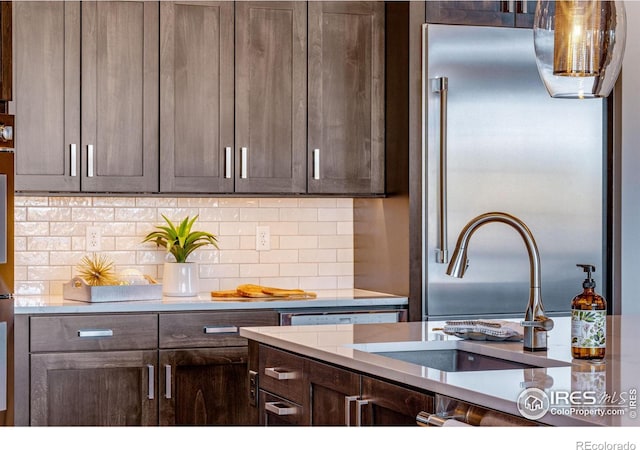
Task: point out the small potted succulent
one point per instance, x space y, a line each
180 278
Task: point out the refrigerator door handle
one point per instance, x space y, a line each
440 85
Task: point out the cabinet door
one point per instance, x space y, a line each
346 97
518 13
94 388
120 96
46 57
390 404
270 97
333 394
196 96
525 13
205 387
475 12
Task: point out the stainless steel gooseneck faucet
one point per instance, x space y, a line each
535 323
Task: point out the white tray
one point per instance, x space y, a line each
78 289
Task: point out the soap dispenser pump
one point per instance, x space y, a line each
588 320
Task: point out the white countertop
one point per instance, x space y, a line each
330 298
618 377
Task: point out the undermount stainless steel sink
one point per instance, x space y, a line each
454 360
456 356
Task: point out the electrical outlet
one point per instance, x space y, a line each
263 238
94 238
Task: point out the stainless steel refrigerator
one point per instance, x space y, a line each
494 140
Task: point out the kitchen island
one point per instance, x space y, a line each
351 347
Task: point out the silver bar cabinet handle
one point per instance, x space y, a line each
227 162
220 329
152 388
167 381
316 163
243 162
272 372
89 160
95 333
74 160
347 408
360 404
441 86
280 408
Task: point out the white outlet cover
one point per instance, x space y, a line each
94 239
263 238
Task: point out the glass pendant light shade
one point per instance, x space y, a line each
579 45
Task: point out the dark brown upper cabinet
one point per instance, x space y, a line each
6 59
270 101
120 96
345 148
113 47
46 95
196 96
513 13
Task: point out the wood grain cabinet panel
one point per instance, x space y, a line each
205 387
518 13
120 105
94 389
332 395
270 97
390 404
100 135
196 96
46 100
346 92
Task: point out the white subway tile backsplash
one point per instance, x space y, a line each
299 214
92 215
48 243
48 214
311 239
317 255
31 228
288 242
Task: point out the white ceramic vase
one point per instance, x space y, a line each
180 279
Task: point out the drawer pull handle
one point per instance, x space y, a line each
167 381
152 386
95 333
279 375
220 329
280 408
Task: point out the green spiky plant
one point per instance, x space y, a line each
179 240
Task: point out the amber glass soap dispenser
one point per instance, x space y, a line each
588 320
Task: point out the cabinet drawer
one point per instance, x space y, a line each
98 332
276 411
281 373
216 329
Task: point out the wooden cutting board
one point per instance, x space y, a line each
257 293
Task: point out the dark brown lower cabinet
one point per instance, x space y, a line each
205 387
331 395
385 403
94 388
